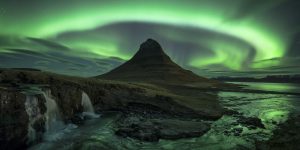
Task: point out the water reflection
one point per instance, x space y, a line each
270 108
277 87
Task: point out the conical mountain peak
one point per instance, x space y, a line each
152 64
150 44
149 48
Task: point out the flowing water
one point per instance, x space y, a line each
54 122
88 108
33 112
86 103
270 108
56 130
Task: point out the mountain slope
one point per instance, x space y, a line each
151 63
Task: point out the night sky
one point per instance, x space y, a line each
209 37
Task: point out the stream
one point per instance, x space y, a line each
225 133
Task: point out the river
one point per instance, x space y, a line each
272 109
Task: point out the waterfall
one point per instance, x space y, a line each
54 122
55 128
33 112
88 109
86 103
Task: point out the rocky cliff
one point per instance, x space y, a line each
105 95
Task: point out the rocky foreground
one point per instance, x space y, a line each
287 136
161 107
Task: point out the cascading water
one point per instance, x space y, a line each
88 109
56 129
33 111
86 103
54 122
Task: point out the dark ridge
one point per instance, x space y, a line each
24 69
270 78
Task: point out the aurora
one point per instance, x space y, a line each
219 35
149 74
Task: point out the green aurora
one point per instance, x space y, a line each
242 39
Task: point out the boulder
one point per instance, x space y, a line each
154 129
251 122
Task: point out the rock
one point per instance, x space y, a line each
176 129
154 129
77 119
287 136
105 95
231 112
68 98
251 122
234 131
143 133
92 144
14 120
237 131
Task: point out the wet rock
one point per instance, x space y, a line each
242 147
139 111
251 122
14 120
144 131
226 132
68 99
237 131
234 131
77 119
274 122
231 112
155 129
175 129
287 136
39 127
91 144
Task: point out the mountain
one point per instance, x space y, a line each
152 64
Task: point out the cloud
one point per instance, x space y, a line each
51 56
49 44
